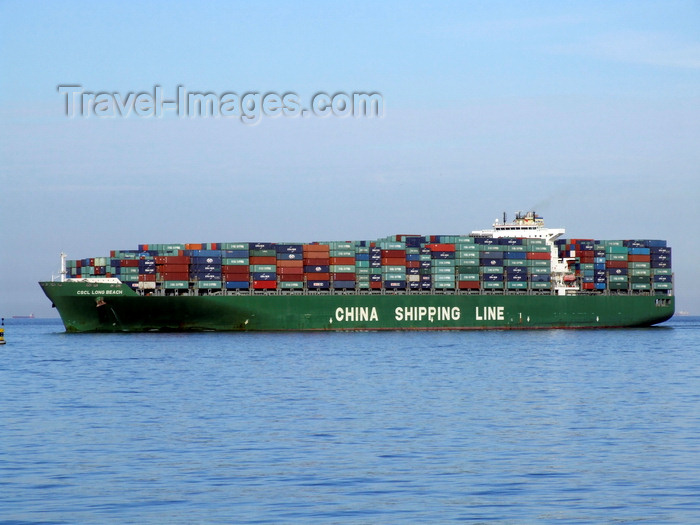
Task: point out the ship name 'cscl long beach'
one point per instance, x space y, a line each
515 275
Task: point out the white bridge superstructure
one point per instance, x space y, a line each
529 225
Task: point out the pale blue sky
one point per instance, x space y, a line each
589 111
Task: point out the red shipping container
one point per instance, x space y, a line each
286 270
291 278
393 261
412 264
375 285
129 263
263 260
616 264
394 253
147 278
589 286
235 277
342 260
243 273
264 285
174 276
347 276
317 261
235 268
194 246
172 259
587 260
468 285
174 268
318 276
586 253
538 256
440 247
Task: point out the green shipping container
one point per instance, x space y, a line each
229 261
263 268
171 285
208 284
290 285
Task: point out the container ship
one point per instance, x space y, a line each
515 275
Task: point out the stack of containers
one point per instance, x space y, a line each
638 265
172 270
375 267
400 262
413 262
426 268
205 268
515 263
443 264
467 264
362 269
342 265
539 262
393 264
263 265
235 266
147 273
317 260
290 266
660 263
616 265
490 263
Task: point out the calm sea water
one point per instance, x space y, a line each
511 427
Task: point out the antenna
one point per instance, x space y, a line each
504 217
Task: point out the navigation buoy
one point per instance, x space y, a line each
2 332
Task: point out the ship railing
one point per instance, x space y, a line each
191 291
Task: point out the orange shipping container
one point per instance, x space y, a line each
290 264
318 261
342 260
316 248
286 270
638 258
393 261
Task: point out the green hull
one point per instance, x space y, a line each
105 307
